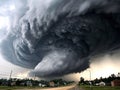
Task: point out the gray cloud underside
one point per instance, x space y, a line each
60 37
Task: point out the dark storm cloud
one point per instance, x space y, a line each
58 37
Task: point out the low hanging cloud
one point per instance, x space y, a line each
58 37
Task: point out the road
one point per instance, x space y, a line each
61 88
72 87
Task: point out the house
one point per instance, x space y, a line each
13 83
4 83
51 84
115 83
42 85
29 83
102 84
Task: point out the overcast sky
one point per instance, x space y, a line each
102 66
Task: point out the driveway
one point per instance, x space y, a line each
72 87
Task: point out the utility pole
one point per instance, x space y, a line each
34 77
9 83
90 80
10 75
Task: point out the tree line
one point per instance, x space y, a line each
106 80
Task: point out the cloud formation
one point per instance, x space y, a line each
58 37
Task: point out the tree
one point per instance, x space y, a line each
113 75
118 74
96 80
82 80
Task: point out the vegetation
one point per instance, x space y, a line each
106 80
18 87
15 83
86 87
19 84
95 84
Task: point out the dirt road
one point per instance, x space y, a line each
72 87
61 88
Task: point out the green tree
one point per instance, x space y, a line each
82 80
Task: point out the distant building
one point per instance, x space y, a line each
23 84
4 83
51 84
102 84
29 83
13 83
115 83
42 85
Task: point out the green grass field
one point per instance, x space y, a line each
17 87
100 88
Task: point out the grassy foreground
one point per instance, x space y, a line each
17 87
100 88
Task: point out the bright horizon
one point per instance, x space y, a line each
105 68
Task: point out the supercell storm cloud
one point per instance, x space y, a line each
58 37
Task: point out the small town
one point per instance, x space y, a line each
109 83
113 81
34 83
